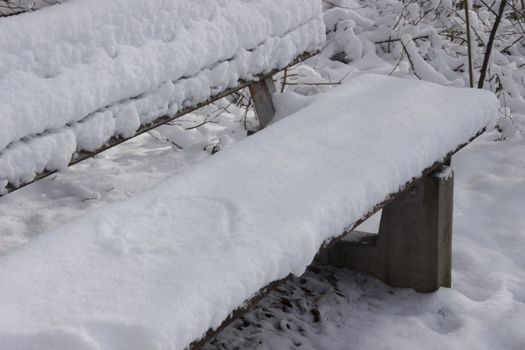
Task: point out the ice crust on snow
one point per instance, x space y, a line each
160 269
103 68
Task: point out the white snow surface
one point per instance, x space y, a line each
103 68
158 270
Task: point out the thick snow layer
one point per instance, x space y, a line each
102 68
339 309
158 270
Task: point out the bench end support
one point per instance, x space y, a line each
414 245
261 92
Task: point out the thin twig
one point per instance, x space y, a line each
490 44
469 43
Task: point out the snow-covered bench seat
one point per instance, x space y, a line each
159 270
76 76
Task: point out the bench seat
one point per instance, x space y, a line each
160 269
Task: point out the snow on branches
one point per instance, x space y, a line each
13 7
430 39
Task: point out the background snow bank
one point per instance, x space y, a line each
103 68
158 270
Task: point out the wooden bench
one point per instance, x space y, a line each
177 263
191 255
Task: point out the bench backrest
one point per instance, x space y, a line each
77 76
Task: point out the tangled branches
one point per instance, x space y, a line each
451 42
14 7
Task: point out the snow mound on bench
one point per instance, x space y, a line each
159 270
104 68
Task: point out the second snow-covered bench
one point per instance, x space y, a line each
160 270
78 78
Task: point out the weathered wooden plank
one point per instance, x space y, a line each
261 92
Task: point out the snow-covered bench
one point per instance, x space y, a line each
179 261
78 78
172 266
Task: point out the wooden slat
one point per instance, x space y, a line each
83 155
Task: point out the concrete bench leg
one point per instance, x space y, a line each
261 92
413 248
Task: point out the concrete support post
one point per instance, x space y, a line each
261 92
414 245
